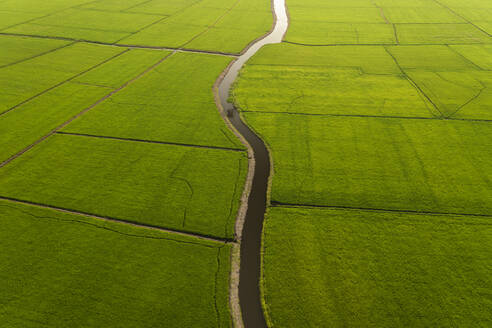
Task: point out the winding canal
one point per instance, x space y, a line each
250 241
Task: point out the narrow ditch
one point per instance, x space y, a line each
251 231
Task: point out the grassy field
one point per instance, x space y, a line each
62 270
161 185
381 105
212 25
91 124
345 268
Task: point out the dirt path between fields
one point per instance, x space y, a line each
245 295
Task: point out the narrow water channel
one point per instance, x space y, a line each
250 265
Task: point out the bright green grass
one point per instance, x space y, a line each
336 15
401 164
421 15
159 6
162 185
8 19
432 58
98 20
234 31
69 32
329 80
173 103
16 49
319 33
29 78
39 7
440 34
458 94
370 59
375 269
121 69
480 55
62 270
165 34
24 125
320 90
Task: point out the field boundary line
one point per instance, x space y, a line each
149 141
380 44
414 84
62 83
120 221
343 115
61 126
206 52
46 15
463 17
209 27
39 55
389 210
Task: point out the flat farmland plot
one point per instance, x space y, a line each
399 164
174 103
33 77
36 117
16 49
376 269
161 185
62 270
441 34
347 80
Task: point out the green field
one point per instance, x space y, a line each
378 118
212 25
100 117
61 270
349 268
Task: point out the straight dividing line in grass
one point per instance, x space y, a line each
387 210
462 17
120 11
469 101
61 126
47 15
379 44
414 84
38 55
63 82
213 25
207 52
375 116
121 221
149 141
180 10
143 28
464 58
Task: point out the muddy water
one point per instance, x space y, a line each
249 275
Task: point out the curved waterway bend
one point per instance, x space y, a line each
250 249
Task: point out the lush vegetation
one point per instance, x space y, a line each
162 185
62 270
130 133
160 103
350 268
214 25
382 105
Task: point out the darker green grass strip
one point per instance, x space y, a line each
121 221
149 141
282 204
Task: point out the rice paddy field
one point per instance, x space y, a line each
378 118
120 183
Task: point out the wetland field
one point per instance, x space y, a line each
133 188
